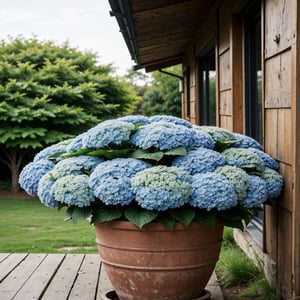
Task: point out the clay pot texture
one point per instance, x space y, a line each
156 263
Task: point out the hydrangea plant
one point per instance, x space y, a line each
158 169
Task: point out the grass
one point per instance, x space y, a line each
28 226
234 268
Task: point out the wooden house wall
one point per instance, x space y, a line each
280 70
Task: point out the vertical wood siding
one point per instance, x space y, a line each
281 96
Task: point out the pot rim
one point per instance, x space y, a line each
156 226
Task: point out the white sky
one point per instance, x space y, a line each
85 24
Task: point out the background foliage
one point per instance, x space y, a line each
163 96
51 92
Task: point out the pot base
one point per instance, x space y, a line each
112 295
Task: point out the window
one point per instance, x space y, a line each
207 89
188 92
253 92
253 79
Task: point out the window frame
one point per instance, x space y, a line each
252 100
206 117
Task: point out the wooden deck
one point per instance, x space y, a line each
58 277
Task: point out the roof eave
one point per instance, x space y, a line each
122 12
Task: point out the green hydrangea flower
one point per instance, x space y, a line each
243 158
238 177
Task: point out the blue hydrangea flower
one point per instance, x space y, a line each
171 119
243 158
244 141
81 164
107 132
274 182
161 187
32 173
135 119
73 190
110 181
76 143
45 192
269 161
202 139
114 190
212 191
125 166
237 177
60 147
256 193
162 135
200 160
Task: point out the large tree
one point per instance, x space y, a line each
49 93
163 96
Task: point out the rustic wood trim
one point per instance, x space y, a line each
218 120
263 77
197 92
236 42
295 89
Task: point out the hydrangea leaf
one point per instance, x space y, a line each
78 213
167 220
221 144
236 217
184 215
206 217
109 153
106 213
143 154
140 216
176 151
77 153
54 156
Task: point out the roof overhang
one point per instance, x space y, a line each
158 32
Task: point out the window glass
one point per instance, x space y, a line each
253 93
207 89
188 93
253 76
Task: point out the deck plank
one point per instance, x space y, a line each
62 283
36 284
9 262
61 277
85 286
3 256
104 284
18 277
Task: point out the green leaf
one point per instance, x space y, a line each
206 217
78 213
222 144
184 215
176 151
55 155
143 154
233 223
106 213
110 154
236 217
167 220
77 153
140 216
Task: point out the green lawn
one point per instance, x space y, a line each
28 226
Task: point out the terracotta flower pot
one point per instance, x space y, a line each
157 263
